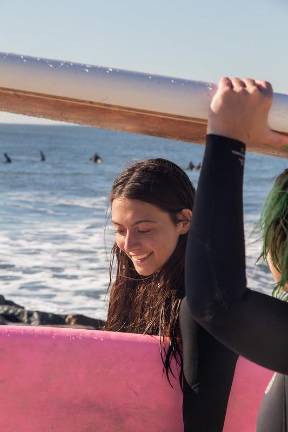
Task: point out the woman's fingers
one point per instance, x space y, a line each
251 85
254 86
265 87
225 83
238 84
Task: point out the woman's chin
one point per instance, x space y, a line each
144 272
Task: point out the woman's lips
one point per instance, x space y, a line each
139 259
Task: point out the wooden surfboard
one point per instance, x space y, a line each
117 99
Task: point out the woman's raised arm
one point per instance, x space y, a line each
250 323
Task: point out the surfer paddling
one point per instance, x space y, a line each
192 167
7 158
96 158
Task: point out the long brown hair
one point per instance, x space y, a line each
150 305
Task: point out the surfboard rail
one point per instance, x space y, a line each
117 99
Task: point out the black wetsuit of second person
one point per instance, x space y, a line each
247 322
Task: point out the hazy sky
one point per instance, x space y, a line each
199 40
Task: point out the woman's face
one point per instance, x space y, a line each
146 233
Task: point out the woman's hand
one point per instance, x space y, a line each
239 110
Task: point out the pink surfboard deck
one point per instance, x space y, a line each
67 380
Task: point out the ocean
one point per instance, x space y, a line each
55 231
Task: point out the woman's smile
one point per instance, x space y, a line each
140 258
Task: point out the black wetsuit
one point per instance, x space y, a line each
208 375
252 324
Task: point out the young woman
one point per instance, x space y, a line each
250 323
152 205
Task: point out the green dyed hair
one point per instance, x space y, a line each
274 227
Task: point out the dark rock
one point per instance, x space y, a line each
12 313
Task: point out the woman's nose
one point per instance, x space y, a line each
130 242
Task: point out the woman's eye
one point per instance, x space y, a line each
123 233
119 232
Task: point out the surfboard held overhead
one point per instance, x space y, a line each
116 99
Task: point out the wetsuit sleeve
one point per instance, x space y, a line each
252 324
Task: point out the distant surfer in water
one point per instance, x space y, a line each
42 155
151 207
7 158
96 158
192 167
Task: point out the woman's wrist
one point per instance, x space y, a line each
228 133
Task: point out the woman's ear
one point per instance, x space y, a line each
184 220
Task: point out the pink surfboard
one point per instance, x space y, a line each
67 380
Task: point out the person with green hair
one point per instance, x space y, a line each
274 228
250 323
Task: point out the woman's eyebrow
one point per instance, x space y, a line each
144 221
137 222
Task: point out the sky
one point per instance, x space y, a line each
198 40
